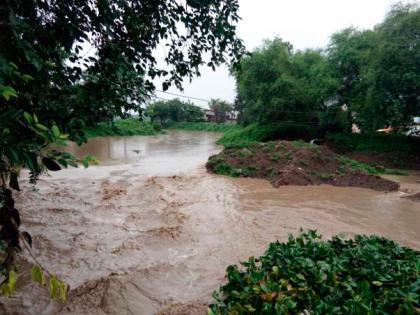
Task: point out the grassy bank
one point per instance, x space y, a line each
392 151
237 135
122 127
207 126
262 133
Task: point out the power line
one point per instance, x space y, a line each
185 96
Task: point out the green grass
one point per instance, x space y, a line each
262 133
359 166
122 127
237 135
206 126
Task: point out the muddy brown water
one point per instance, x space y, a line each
150 231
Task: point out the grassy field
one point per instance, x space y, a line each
122 127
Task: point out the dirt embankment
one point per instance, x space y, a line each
295 163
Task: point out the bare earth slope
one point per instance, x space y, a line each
294 163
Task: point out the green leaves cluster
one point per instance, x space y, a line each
57 288
364 275
102 61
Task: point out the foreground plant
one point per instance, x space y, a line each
364 275
29 148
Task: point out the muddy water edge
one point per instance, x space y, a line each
150 231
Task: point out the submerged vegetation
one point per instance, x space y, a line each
306 275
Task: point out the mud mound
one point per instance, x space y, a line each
415 197
296 163
359 179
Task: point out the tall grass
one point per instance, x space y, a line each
206 126
122 127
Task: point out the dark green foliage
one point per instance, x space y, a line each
9 235
305 275
375 142
101 62
369 77
168 112
275 83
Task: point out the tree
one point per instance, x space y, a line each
379 69
350 55
174 110
276 84
221 109
395 91
66 64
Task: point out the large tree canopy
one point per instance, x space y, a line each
275 83
46 58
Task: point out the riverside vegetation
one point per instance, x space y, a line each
306 275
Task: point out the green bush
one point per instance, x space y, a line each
305 275
375 142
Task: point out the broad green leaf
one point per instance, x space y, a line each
54 287
28 117
41 127
7 92
56 131
37 275
8 286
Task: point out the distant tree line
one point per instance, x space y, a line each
165 112
175 110
370 78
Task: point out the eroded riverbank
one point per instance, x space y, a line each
152 231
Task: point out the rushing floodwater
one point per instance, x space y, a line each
149 229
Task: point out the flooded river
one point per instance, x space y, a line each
150 231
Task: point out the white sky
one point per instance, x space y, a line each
304 23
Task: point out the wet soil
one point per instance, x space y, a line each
294 163
131 237
415 197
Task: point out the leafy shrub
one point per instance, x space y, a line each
364 275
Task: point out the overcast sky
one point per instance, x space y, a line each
304 23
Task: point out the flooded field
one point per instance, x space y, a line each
150 231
